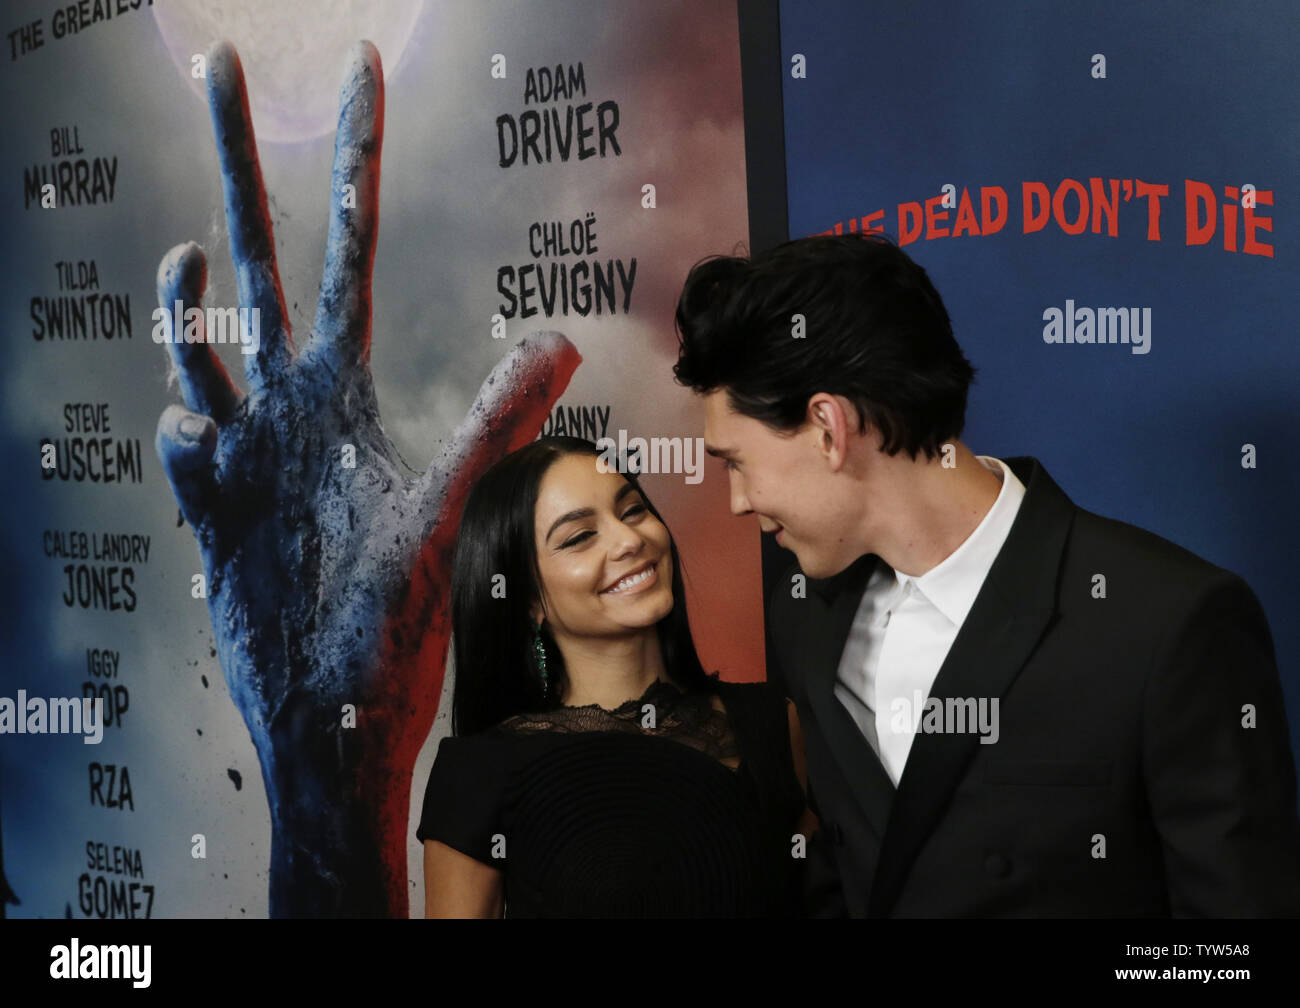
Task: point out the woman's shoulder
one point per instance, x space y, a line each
491 746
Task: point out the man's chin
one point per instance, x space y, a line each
821 568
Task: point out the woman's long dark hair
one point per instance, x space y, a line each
495 579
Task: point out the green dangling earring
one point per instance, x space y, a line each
539 653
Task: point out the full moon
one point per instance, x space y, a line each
292 52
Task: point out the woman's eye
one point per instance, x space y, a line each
730 464
581 537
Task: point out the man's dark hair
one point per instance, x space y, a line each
874 331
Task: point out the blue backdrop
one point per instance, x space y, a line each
899 100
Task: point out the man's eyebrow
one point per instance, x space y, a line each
578 513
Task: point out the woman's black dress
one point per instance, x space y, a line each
590 814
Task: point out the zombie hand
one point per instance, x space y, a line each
327 567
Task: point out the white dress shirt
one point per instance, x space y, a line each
905 626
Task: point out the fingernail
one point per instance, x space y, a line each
193 427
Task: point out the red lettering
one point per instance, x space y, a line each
872 222
965 222
1198 194
1251 221
934 215
991 196
1066 187
1100 205
1036 204
909 223
1230 218
1153 194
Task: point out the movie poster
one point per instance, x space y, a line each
263 700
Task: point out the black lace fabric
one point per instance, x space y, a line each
688 718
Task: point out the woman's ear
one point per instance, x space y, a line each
536 614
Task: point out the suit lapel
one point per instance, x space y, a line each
840 597
1013 610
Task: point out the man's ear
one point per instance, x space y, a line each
827 415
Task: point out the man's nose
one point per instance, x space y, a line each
739 499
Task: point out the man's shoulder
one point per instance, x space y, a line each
1142 555
1146 580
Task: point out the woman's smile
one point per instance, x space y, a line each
637 580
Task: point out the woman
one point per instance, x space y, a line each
595 769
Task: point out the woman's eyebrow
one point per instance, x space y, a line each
569 516
577 513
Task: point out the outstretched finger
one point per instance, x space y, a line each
186 443
252 245
508 412
343 311
205 384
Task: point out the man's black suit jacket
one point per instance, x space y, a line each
1126 729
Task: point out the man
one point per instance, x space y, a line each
1010 706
